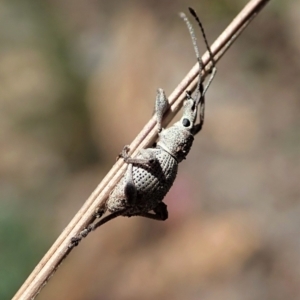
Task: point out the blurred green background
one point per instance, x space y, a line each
78 81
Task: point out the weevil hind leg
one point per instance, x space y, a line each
84 233
104 220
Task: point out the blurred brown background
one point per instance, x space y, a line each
78 81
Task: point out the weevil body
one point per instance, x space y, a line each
150 175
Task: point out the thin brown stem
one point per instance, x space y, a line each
58 252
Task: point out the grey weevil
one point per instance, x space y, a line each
150 175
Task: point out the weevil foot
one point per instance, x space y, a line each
124 153
76 239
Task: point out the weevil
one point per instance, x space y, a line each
151 174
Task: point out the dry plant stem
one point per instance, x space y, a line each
48 265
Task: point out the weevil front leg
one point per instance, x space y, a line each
161 106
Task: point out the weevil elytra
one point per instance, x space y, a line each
150 175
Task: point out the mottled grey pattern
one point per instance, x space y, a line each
152 182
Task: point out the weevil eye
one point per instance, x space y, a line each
186 122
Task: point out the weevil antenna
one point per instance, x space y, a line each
199 87
213 62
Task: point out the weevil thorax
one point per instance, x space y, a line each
177 140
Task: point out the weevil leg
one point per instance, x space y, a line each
198 127
160 213
161 106
130 188
106 219
148 156
161 210
211 77
84 233
201 102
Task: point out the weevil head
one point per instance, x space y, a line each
177 140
